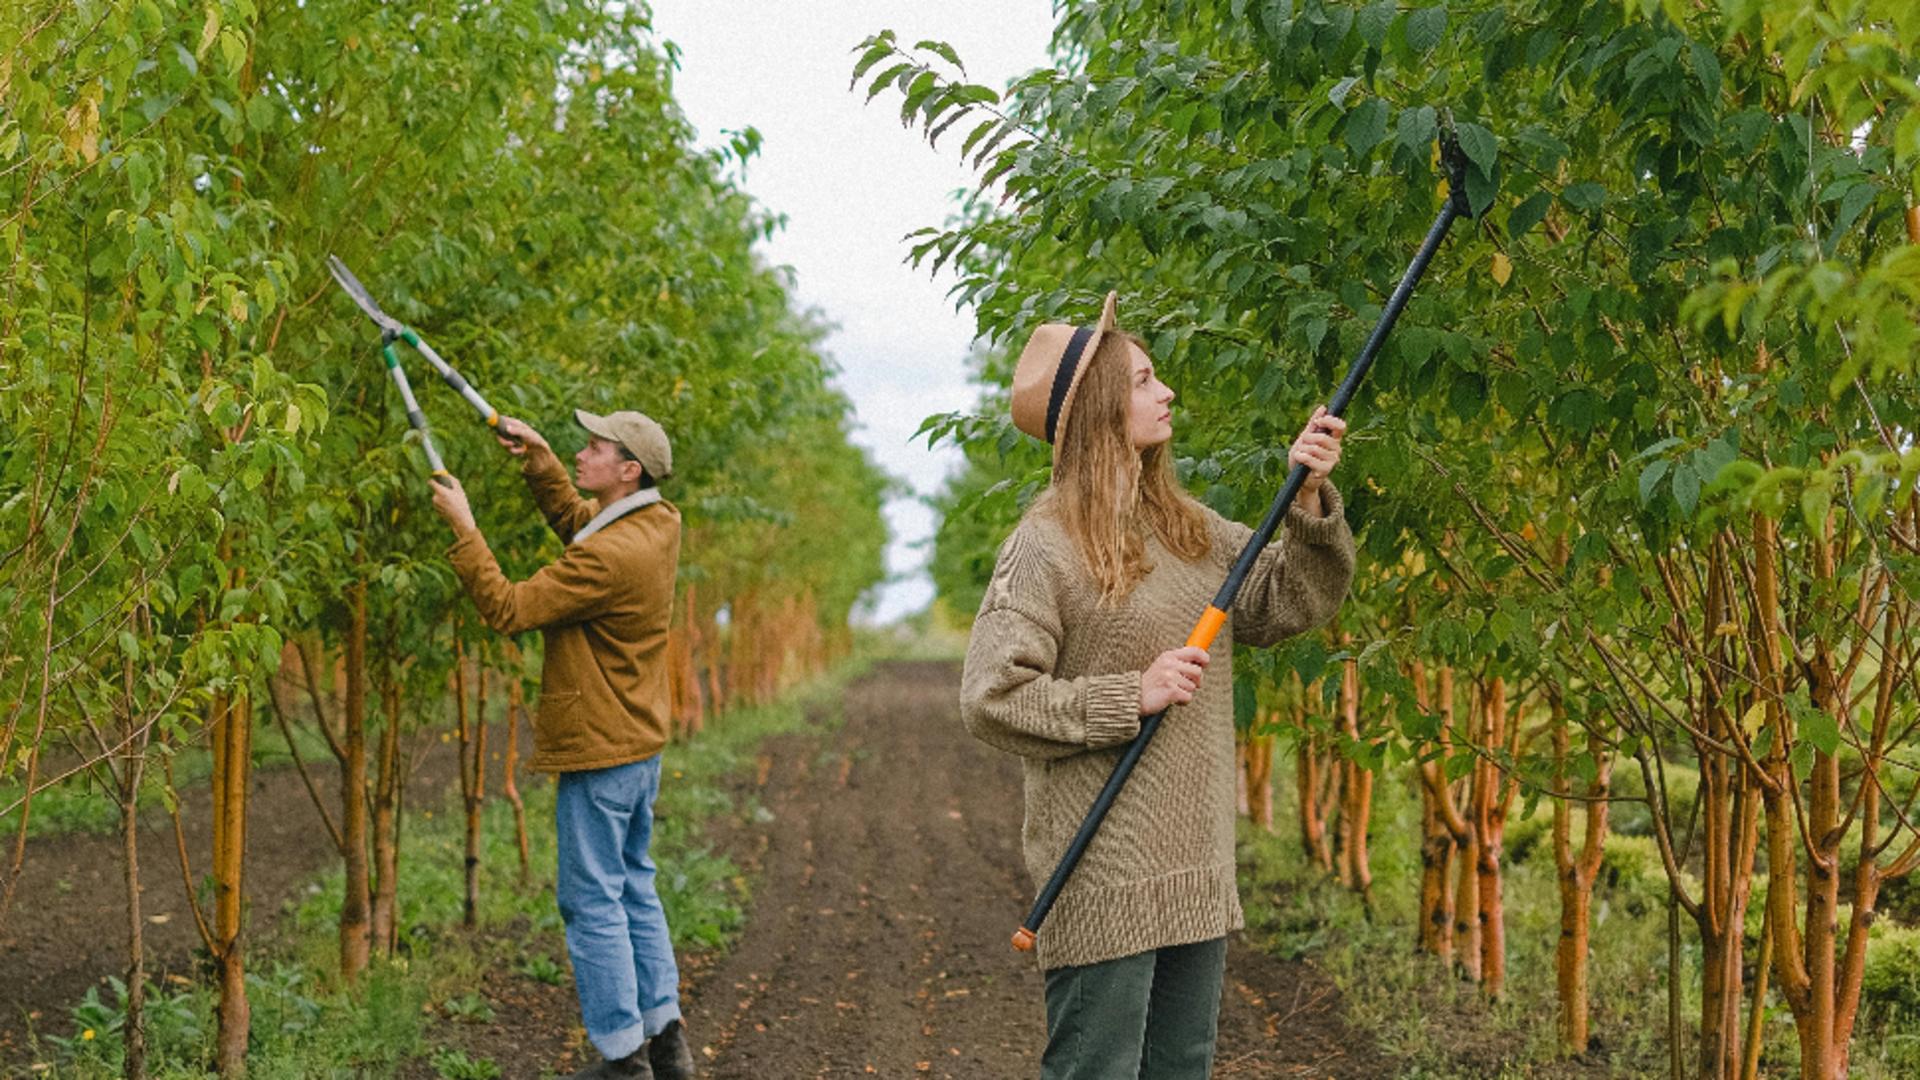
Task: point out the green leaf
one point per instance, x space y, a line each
1686 490
1650 479
1366 125
260 112
1468 395
1481 190
1479 145
1529 213
945 52
1425 27
1706 68
1375 20
1584 196
1820 729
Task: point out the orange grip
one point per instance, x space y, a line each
1023 939
1209 625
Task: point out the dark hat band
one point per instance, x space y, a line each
1063 377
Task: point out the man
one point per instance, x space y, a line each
603 610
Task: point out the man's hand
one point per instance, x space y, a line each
516 436
1318 448
1172 678
451 500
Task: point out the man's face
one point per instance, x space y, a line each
600 466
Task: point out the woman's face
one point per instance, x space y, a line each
1149 416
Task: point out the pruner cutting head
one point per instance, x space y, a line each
390 327
1454 161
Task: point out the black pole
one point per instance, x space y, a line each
1215 616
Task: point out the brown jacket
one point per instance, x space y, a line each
603 609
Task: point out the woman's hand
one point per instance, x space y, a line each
1318 448
516 436
1172 678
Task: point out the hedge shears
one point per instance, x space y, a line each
392 330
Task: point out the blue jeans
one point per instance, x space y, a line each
623 965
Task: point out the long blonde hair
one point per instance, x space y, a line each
1105 493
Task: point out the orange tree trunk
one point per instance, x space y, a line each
1259 774
1443 828
1315 781
1576 873
1356 809
1467 894
695 715
511 785
1492 793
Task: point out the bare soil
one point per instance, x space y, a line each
68 926
886 879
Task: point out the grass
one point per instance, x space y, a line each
307 1024
1441 1028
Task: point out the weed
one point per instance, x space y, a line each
456 1065
542 968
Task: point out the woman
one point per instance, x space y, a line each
1110 565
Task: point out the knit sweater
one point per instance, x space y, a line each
1054 676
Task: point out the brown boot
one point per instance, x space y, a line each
669 1053
634 1066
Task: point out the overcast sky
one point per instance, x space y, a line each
852 181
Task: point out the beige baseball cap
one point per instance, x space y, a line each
645 439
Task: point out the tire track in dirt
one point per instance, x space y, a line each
890 880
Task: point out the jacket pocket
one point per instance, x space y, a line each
556 726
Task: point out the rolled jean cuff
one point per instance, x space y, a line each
616 1045
656 1019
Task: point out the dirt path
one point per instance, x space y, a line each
889 882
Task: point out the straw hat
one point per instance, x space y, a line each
1051 366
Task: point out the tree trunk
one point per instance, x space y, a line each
356 927
512 785
232 758
1356 811
473 773
1259 776
135 1065
1468 895
1490 822
1442 827
1576 874
386 855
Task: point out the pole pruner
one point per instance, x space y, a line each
1454 161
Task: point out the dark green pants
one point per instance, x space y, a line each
1150 1016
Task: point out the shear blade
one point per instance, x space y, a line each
345 279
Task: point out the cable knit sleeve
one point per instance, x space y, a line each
1009 696
1297 584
